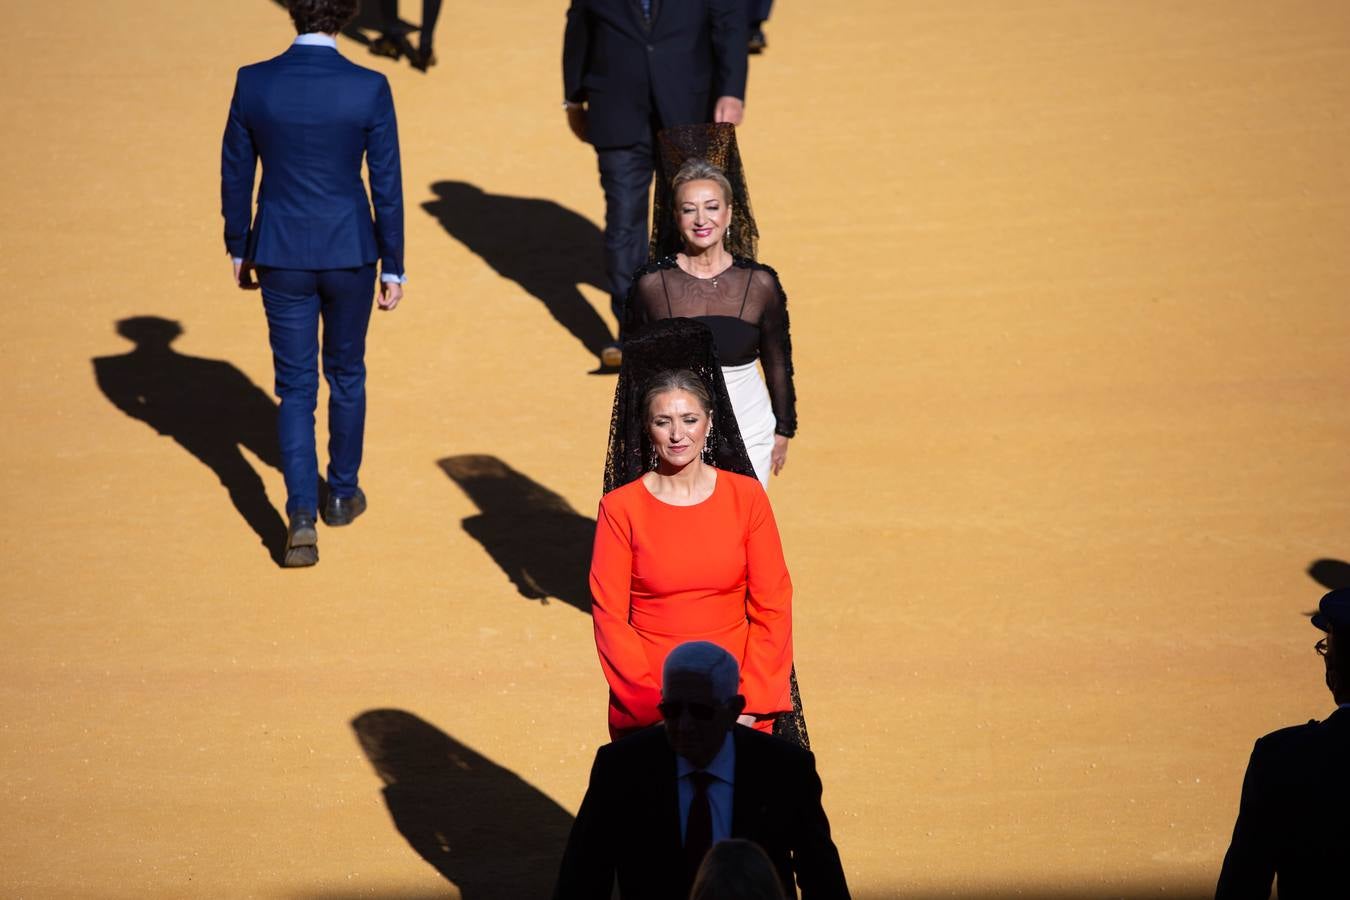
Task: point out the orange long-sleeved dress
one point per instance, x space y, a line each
662 575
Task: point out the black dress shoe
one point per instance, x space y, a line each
386 46
341 510
424 59
302 541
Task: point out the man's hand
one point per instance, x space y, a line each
576 120
243 275
390 293
729 109
778 455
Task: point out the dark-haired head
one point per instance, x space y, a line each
321 16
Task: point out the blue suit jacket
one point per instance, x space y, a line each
311 116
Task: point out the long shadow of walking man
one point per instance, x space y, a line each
535 536
481 826
545 248
207 406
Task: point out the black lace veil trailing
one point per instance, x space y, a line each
660 347
715 143
681 344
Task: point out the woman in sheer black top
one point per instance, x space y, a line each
741 302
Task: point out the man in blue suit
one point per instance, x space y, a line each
311 116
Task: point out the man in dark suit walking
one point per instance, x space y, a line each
631 68
1292 823
658 799
311 116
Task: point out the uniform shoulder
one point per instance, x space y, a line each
1284 741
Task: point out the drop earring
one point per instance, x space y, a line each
708 444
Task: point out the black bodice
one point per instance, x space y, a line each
745 308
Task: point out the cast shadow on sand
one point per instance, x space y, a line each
547 249
480 825
208 407
1331 574
535 536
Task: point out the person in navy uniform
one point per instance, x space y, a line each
311 117
1292 824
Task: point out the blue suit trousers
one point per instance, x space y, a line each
296 302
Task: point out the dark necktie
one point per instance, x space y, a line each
698 828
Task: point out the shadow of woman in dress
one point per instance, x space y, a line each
535 536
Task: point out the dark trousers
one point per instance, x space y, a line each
759 12
296 301
626 177
431 11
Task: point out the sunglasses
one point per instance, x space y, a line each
673 709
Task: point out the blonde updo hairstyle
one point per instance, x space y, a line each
699 170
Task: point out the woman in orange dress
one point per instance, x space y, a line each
688 552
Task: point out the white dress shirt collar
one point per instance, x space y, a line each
315 39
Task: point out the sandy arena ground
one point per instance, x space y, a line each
1068 287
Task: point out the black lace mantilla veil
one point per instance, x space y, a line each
716 143
681 344
660 347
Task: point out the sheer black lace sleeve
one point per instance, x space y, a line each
647 300
775 347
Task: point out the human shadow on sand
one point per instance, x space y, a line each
478 824
535 536
547 249
207 406
1331 574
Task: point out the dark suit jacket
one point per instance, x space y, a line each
629 821
1294 820
311 116
693 53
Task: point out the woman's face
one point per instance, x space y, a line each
702 213
677 426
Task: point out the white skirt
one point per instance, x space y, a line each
754 414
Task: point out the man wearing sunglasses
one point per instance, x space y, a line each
1292 822
658 799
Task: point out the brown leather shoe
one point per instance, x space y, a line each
339 511
302 541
